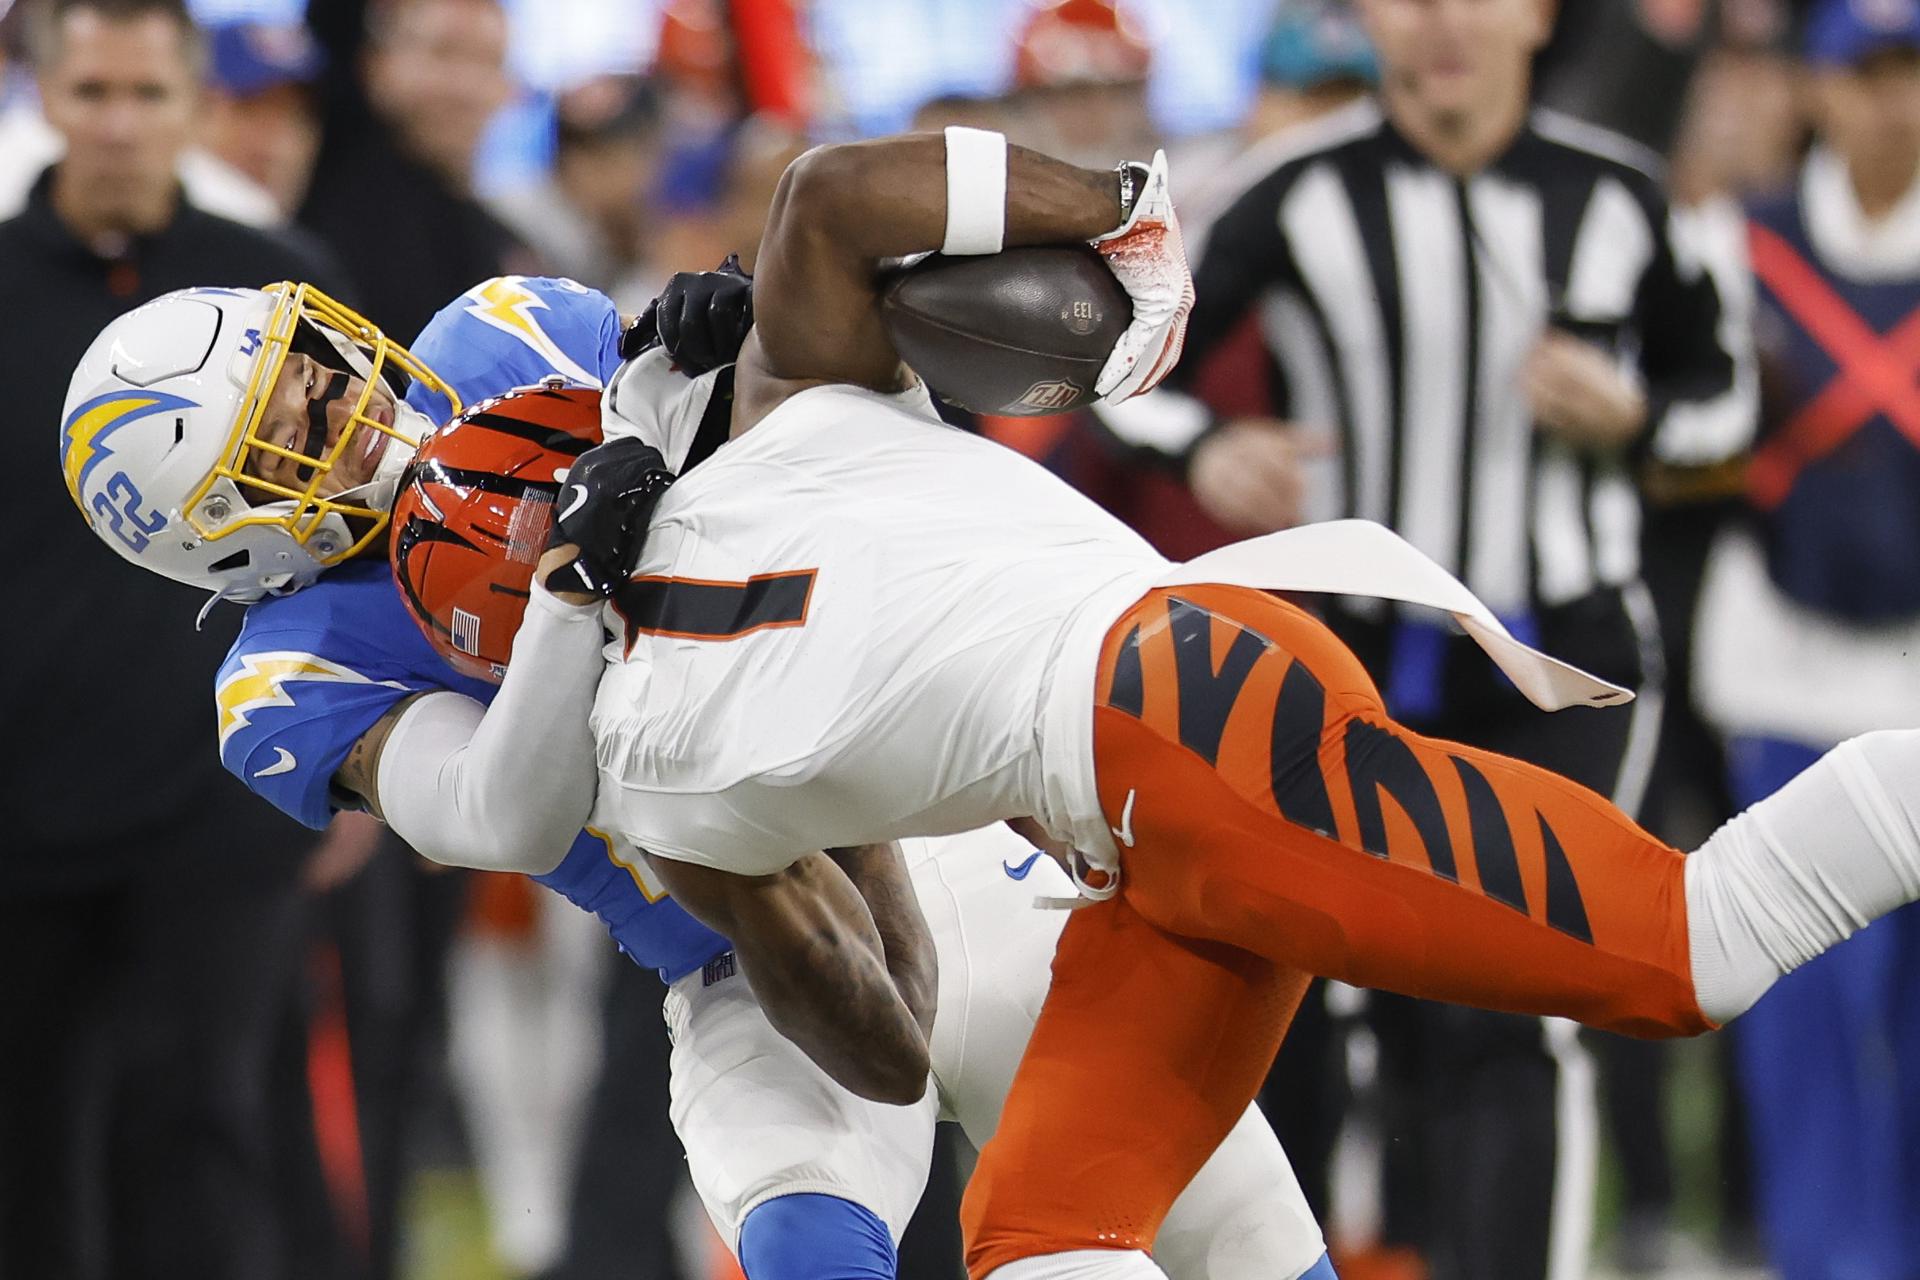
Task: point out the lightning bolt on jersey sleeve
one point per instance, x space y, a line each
313 671
512 331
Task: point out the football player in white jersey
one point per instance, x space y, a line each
248 442
855 623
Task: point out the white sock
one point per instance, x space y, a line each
1082 1264
1827 854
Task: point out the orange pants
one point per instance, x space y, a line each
1277 824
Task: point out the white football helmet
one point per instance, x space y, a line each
162 415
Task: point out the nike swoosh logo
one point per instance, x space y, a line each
575 500
285 763
1125 829
1018 871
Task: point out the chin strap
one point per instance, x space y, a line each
206 610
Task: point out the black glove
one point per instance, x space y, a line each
604 508
701 318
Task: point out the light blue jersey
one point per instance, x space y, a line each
313 671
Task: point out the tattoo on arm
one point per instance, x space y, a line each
359 774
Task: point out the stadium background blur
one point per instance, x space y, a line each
522 1132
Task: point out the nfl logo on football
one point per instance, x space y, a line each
1054 394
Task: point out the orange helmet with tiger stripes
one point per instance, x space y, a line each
473 513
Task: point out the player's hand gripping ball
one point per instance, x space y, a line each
1017 333
1148 256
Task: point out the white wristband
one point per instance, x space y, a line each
976 191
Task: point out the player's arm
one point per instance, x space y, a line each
879 872
504 787
359 774
843 211
507 787
808 944
839 211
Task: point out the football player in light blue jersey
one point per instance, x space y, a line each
314 670
249 442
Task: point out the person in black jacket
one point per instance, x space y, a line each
409 88
147 902
391 191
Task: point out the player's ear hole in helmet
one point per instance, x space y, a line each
241 440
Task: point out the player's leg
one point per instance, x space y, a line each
815 1237
1272 804
1147 1051
773 1143
1243 1217
1082 1264
995 946
1277 806
1823 1109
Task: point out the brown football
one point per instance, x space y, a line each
1020 333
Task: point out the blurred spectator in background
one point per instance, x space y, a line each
1625 64
28 144
716 199
963 109
409 87
1743 127
263 110
1476 314
1809 627
762 149
591 217
391 191
436 72
525 977
147 904
1080 83
1740 133
1315 58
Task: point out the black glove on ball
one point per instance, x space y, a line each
604 508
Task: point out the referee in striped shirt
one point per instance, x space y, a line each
1479 317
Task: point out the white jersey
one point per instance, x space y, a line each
849 625
760 1120
857 623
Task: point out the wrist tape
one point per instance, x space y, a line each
976 191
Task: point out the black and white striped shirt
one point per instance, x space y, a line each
1399 304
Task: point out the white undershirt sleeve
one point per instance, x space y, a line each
505 787
1819 859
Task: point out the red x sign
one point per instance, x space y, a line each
1877 374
